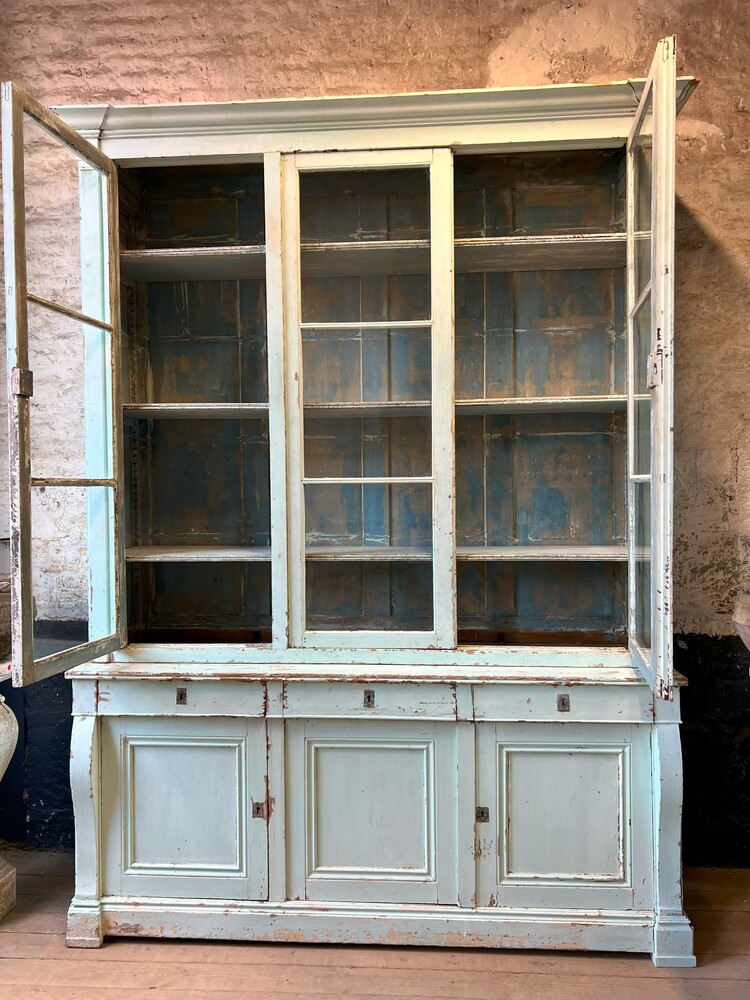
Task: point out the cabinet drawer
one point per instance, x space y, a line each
369 701
504 702
181 698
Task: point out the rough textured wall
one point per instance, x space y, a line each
77 51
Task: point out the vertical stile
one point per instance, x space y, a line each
293 343
662 277
111 256
275 257
16 326
443 405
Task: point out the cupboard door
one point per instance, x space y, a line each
179 797
63 343
568 816
369 316
650 166
372 811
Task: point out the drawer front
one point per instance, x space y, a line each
181 698
316 700
631 703
177 808
566 816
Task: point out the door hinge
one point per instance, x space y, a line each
22 382
655 369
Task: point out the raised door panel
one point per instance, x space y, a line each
178 808
372 811
568 816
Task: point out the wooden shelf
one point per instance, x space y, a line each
542 553
471 553
502 253
198 553
471 407
192 411
194 263
542 404
380 257
369 553
419 408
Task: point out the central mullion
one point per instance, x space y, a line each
443 399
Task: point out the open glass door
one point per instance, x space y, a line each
650 161
62 318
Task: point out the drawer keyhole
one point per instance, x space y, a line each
181 697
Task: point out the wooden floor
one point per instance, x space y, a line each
34 962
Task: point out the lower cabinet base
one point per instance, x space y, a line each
435 926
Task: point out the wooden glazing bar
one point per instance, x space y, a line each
70 313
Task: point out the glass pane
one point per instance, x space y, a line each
642 158
58 252
365 253
540 333
642 403
347 596
642 512
374 446
364 365
70 411
341 517
198 483
542 602
540 479
72 553
537 193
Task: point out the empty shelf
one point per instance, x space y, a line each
543 553
542 404
194 263
369 553
501 253
192 411
198 553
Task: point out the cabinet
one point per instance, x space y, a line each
348 446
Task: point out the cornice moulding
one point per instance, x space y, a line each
454 109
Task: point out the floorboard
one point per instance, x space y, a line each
35 963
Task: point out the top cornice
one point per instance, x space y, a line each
456 110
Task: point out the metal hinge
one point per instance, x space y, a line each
22 382
655 369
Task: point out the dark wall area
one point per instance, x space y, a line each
35 803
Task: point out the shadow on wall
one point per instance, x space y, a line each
711 546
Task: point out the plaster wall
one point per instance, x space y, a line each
150 51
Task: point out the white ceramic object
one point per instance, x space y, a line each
8 740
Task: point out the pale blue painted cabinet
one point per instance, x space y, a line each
341 470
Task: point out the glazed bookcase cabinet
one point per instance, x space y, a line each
342 435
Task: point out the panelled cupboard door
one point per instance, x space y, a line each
63 342
372 811
650 231
568 816
178 804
